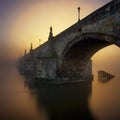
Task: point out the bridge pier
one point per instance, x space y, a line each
75 71
45 68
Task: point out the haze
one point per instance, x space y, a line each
24 22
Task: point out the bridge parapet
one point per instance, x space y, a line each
103 12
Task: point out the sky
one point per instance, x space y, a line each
23 22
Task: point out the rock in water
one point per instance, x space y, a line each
104 76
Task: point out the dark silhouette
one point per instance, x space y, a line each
63 102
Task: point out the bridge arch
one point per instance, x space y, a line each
78 52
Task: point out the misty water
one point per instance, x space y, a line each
23 100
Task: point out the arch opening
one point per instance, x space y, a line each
76 59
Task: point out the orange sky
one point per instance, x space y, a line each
33 23
25 22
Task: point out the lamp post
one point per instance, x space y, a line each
78 13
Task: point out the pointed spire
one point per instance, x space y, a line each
51 33
31 48
78 13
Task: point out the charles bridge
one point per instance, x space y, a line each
69 53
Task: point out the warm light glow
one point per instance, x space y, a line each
27 22
34 22
107 59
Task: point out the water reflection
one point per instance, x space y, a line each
23 99
62 102
16 102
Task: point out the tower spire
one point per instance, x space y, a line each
78 13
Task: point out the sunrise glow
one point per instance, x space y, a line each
29 22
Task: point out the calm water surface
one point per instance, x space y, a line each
85 100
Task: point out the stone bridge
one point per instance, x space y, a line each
69 52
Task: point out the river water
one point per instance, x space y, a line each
23 100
